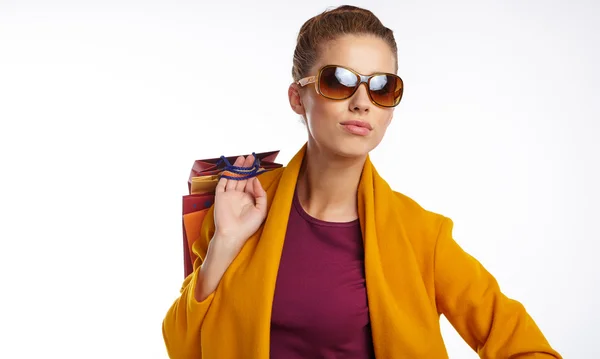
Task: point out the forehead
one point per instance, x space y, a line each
365 54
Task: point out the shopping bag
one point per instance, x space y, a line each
214 166
194 209
203 184
202 181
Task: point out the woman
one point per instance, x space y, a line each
321 259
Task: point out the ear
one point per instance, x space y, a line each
295 99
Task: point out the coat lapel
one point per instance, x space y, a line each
254 271
402 320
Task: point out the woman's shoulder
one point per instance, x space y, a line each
411 206
416 218
270 179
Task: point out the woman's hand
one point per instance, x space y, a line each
240 207
239 210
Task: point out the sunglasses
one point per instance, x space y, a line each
339 83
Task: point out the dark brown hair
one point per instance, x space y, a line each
343 20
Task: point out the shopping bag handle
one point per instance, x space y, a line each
239 173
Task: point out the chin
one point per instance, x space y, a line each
339 143
352 147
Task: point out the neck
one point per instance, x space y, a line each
328 183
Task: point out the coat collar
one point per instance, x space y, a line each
402 320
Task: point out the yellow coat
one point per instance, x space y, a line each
415 271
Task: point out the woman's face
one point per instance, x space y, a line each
325 118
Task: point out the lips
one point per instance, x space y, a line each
357 124
359 128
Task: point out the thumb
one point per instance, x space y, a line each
260 196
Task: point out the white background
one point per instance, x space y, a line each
105 105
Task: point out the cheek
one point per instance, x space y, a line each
387 117
324 111
383 120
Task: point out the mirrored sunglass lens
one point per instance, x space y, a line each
345 77
386 90
337 82
378 83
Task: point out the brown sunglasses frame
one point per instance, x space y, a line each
362 79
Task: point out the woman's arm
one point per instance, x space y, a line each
181 326
468 295
240 208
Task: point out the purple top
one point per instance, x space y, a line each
320 307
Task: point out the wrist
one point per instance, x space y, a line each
219 254
217 260
227 246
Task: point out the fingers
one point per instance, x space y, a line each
225 184
260 196
248 162
221 185
232 184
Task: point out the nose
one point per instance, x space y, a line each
360 101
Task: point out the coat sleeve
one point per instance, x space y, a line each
182 325
494 325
